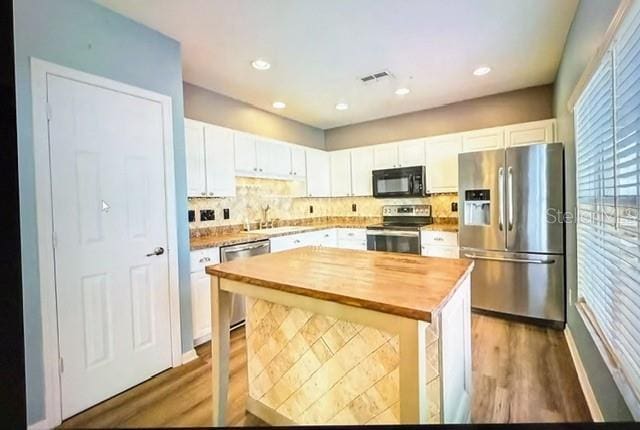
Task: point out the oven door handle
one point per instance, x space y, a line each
393 233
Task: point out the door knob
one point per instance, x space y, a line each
158 251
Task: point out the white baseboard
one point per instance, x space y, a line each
592 403
189 356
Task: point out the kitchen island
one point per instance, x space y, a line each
337 336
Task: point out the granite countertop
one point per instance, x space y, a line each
233 238
405 285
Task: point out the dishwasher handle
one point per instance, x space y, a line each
244 247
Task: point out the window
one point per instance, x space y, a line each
607 122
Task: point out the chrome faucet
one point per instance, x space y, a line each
264 223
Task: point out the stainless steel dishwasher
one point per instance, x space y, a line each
239 252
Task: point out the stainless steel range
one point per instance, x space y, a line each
400 229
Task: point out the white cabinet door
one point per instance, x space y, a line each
385 156
340 173
194 142
530 133
298 163
245 154
482 140
327 237
441 251
361 167
318 173
411 153
456 356
201 306
273 158
442 163
220 162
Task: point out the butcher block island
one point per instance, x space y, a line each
337 336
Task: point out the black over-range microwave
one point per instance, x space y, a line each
400 182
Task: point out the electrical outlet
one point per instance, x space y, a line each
454 207
207 215
225 213
192 215
354 208
310 209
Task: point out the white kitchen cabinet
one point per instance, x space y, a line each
442 163
219 161
352 238
341 173
273 158
196 173
482 140
362 164
439 244
245 154
411 153
455 343
441 251
298 162
530 133
201 293
318 173
385 156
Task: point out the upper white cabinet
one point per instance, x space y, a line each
219 161
341 173
298 162
196 175
442 163
362 164
482 140
273 158
210 160
530 132
245 154
318 173
399 154
385 156
411 153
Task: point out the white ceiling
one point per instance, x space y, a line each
319 49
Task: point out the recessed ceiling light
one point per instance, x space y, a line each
403 91
279 105
481 71
342 106
261 64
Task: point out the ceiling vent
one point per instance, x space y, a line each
376 77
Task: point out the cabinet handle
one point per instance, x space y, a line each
296 241
438 239
205 259
210 193
261 170
203 193
255 169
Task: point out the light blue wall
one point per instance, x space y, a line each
85 36
589 26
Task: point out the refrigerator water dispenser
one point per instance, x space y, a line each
477 207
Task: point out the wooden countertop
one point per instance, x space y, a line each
400 284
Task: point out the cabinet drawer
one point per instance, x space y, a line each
439 238
204 257
355 234
353 244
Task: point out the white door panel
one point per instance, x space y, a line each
386 156
220 162
340 173
194 143
361 168
411 153
108 194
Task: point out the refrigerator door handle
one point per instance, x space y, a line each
501 198
510 260
510 191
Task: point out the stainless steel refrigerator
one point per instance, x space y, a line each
511 204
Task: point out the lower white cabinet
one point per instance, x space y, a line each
352 238
201 293
455 344
439 244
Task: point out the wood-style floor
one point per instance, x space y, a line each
521 373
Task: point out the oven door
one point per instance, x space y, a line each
403 182
394 241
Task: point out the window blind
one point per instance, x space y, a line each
607 128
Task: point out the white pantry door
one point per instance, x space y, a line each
108 193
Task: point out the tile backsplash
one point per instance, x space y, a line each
253 194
